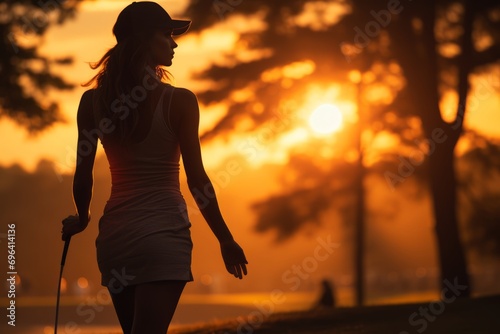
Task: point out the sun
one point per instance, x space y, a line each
325 119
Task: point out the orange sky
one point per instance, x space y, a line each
86 39
88 36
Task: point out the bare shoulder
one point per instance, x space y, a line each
85 109
184 110
184 105
183 98
88 96
86 102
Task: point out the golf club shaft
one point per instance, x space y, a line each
63 260
65 251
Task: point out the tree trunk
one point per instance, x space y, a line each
359 260
443 187
418 58
360 233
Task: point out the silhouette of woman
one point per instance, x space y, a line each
145 125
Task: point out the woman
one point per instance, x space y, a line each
144 244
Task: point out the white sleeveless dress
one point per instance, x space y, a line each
144 233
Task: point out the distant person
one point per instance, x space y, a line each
327 296
145 125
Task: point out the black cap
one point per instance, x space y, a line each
143 16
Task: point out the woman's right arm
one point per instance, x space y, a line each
185 104
83 178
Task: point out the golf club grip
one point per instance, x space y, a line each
65 250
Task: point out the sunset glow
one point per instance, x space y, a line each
325 119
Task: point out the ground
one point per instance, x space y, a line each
460 316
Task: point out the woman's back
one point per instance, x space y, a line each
145 173
146 206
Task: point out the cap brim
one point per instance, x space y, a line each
179 26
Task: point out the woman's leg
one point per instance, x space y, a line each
124 303
155 304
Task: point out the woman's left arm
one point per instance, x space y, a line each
83 179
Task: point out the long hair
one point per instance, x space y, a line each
122 75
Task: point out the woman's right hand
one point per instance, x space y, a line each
72 225
234 258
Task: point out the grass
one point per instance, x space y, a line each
472 316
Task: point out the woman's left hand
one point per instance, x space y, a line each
234 258
72 225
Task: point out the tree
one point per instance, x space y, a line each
288 44
25 74
430 27
416 44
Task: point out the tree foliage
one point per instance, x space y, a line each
370 37
282 43
26 75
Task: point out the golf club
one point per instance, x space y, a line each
63 260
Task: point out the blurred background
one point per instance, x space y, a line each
350 141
